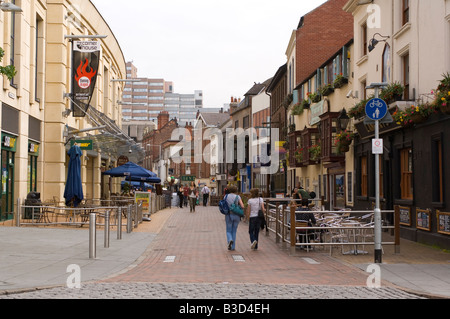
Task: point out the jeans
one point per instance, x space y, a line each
192 203
232 222
253 229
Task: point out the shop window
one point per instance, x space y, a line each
32 173
437 171
406 180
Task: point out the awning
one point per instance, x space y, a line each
111 140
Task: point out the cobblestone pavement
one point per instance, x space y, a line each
212 291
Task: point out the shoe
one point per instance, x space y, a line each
230 244
254 244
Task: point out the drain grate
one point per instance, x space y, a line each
170 259
311 261
238 258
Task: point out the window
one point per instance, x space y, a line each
386 76
364 176
437 170
406 76
38 59
13 39
32 173
406 182
246 122
405 11
363 90
364 39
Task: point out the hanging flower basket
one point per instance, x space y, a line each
392 93
413 115
343 148
344 138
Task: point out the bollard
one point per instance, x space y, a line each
92 235
19 212
129 220
119 223
106 244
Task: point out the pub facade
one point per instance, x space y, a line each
416 86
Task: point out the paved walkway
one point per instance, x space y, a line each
182 251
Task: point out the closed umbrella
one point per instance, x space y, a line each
73 192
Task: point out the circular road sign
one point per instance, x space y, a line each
376 109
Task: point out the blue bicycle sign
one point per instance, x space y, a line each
376 109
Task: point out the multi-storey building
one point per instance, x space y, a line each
37 121
145 98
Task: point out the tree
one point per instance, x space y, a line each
10 70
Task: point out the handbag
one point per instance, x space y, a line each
236 209
262 217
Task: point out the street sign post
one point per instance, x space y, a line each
376 110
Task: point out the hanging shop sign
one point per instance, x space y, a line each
9 142
33 148
85 145
85 64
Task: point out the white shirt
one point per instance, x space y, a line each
255 206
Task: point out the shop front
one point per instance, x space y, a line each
412 177
9 147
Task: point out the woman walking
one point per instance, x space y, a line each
193 193
232 220
255 204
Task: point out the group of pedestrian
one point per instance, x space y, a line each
254 213
190 194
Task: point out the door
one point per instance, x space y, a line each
7 194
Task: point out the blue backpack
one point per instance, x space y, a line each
223 206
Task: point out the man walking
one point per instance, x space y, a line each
205 193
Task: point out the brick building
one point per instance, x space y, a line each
318 35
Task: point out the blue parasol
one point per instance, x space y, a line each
73 192
133 172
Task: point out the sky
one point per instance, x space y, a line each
219 47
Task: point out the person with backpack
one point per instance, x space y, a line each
232 219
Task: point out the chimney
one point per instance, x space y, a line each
163 119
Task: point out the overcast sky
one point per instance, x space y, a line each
219 47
